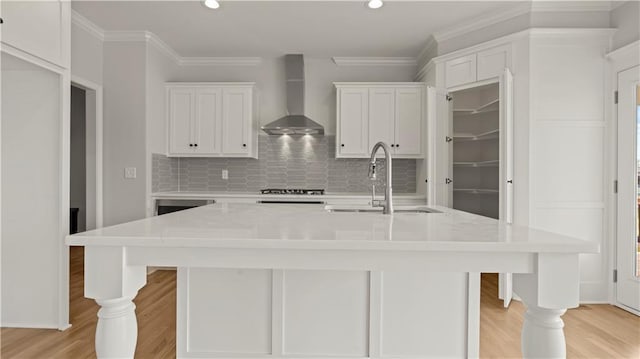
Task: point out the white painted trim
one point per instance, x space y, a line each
424 70
473 315
36 60
89 85
572 32
571 6
220 61
87 25
374 61
481 22
429 45
628 50
33 326
618 60
379 84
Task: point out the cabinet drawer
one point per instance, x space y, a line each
492 62
461 70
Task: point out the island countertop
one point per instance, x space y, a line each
303 226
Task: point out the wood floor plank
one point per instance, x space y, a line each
592 331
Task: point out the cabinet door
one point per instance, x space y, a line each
181 117
353 106
381 116
236 121
408 124
492 62
461 70
208 121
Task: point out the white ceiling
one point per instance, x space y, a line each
269 28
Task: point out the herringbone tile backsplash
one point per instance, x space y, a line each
285 162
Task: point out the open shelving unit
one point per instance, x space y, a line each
475 147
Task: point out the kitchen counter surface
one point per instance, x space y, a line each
292 226
327 195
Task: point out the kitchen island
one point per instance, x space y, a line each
302 239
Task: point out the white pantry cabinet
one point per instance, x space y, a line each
478 66
211 120
371 112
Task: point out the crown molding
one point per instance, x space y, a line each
220 61
632 49
424 70
429 45
375 61
87 25
481 22
571 6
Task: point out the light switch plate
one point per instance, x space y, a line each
225 174
130 172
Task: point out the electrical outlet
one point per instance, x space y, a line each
225 174
130 172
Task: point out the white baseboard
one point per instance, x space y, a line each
30 326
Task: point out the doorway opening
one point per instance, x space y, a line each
85 179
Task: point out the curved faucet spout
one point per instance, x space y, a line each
387 204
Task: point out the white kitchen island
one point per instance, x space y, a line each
297 258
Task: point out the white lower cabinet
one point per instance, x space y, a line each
211 120
246 313
371 112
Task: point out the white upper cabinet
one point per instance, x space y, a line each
408 122
352 125
460 70
236 121
39 28
371 112
382 113
211 120
492 62
482 65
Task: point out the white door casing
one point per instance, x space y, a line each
627 288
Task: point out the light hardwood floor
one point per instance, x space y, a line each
592 331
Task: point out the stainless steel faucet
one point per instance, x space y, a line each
387 203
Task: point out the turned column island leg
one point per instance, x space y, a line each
547 293
542 333
113 283
117 330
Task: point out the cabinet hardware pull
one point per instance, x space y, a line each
244 145
392 145
397 145
510 181
342 145
195 145
191 145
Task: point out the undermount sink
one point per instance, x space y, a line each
367 209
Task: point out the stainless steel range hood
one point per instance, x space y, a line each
295 123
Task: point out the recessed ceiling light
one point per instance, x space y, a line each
213 4
375 4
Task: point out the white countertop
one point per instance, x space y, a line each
298 226
329 195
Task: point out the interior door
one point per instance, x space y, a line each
628 232
505 288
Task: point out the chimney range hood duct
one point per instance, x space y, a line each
295 123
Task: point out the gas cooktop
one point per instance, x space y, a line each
297 191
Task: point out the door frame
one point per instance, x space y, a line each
96 89
619 60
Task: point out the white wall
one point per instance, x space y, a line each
124 130
31 204
626 18
86 55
